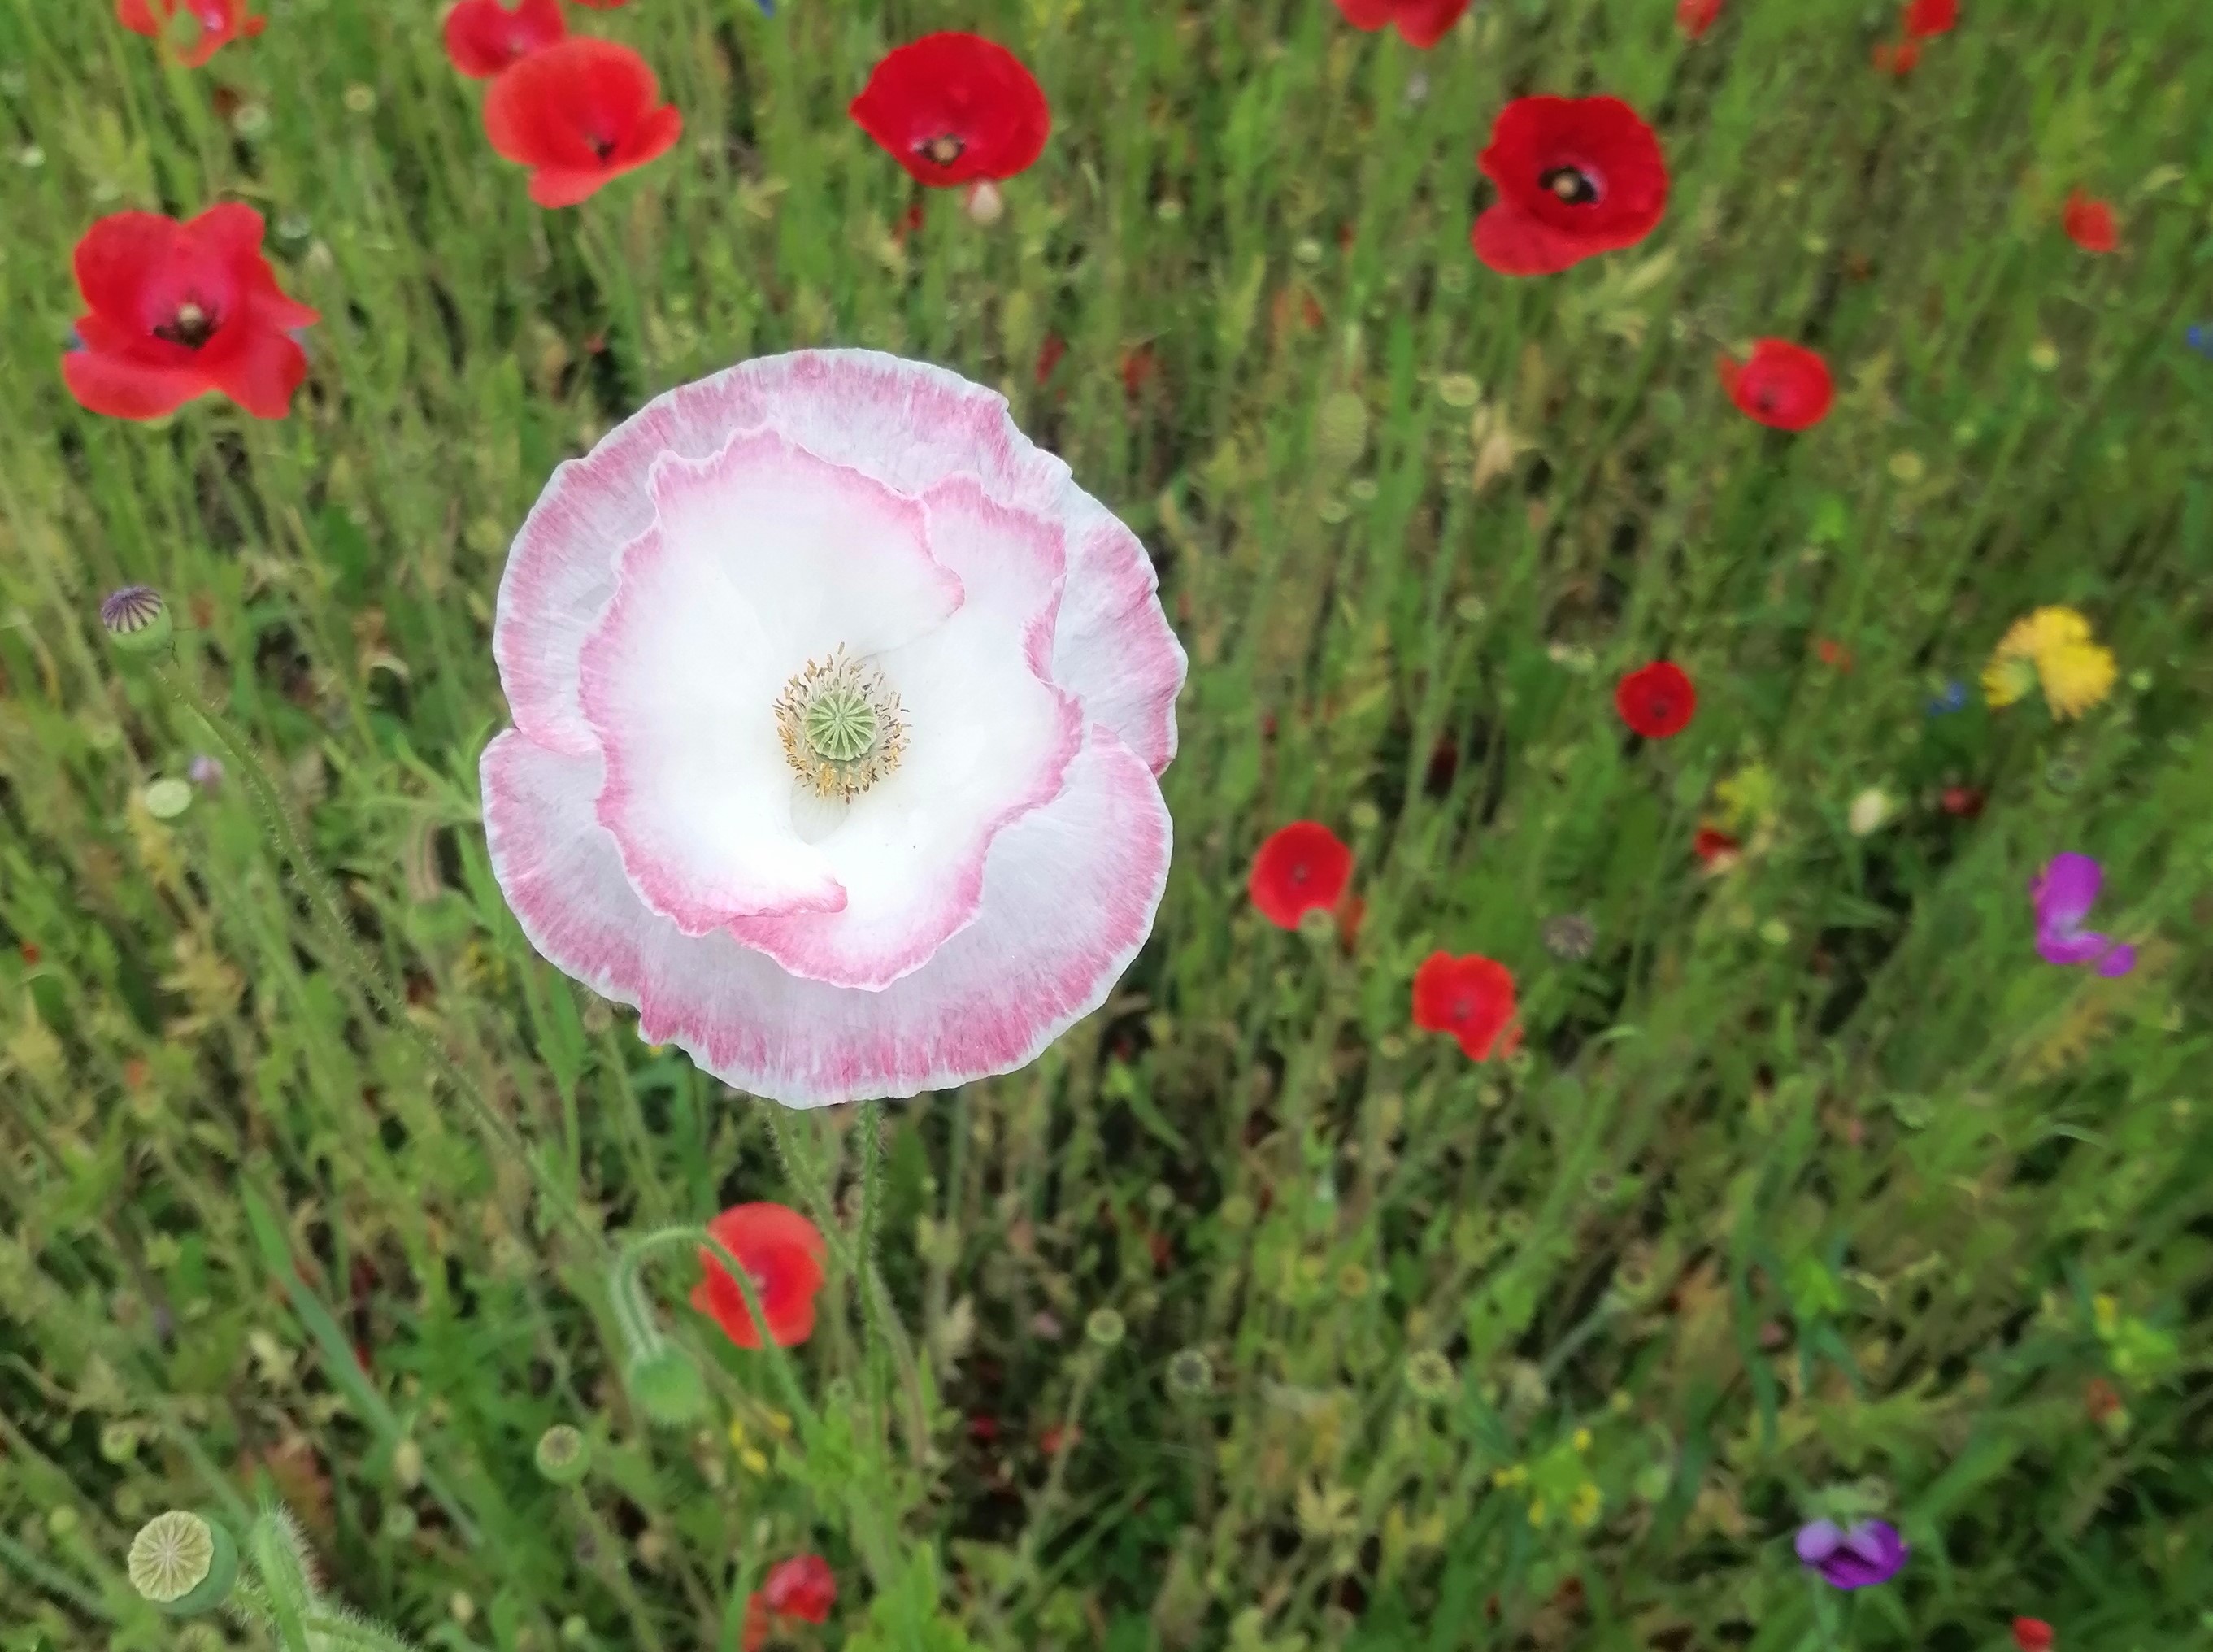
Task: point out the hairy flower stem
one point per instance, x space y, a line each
273 1547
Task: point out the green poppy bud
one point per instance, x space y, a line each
138 620
666 1386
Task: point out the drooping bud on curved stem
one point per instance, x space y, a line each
183 1563
661 1377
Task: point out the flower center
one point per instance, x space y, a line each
839 722
191 326
942 151
1571 184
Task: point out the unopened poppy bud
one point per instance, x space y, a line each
564 1454
666 1386
138 620
182 1562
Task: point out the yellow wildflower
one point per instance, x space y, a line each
2050 649
1585 1510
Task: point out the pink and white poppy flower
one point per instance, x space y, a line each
840 710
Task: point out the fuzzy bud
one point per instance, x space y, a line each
666 1386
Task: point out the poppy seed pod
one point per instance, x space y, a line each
183 1563
564 1454
137 620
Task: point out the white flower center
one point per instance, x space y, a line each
839 722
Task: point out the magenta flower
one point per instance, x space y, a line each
1852 1557
2064 893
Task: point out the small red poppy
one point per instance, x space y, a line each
1898 60
2100 1398
1925 18
952 108
30 953
178 310
1964 803
484 36
1833 653
1054 1435
2089 224
1656 700
1695 17
1575 177
1302 868
200 29
1783 384
578 113
1420 23
1139 368
1048 356
1471 997
783 1253
1715 848
802 1587
2032 1635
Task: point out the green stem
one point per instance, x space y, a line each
352 1633
284 1578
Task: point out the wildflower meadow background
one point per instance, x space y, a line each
1805 1240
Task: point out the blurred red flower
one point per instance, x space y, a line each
952 108
1695 17
1783 384
782 1253
1575 177
198 29
2089 224
1715 848
603 6
1302 868
484 36
1139 368
1048 356
1420 23
802 1587
1656 700
1926 17
2032 1635
577 113
1471 998
1963 801
1898 60
177 310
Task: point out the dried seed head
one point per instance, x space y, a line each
182 1562
1430 1375
1105 1327
1190 1372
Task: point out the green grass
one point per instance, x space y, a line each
1809 1178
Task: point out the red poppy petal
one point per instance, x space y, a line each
134 15
1422 23
1513 243
1367 14
654 135
123 389
115 257
261 372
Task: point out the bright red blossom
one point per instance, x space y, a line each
1471 998
1715 848
2032 1635
781 1252
577 113
802 1587
1420 23
2089 224
177 310
485 36
1962 803
198 29
1695 17
1656 700
952 108
1926 17
1302 868
1575 176
1783 384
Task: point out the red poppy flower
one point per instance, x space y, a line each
2032 1635
1471 997
1833 653
1420 23
1656 700
952 108
1898 60
1048 356
180 309
577 113
1302 868
782 1251
1715 848
484 36
1054 1435
1783 386
1964 803
1139 367
1695 17
802 1587
1575 177
1925 18
2089 224
200 29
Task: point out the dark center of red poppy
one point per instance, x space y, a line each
1571 184
1660 705
1300 874
602 147
942 151
191 325
1463 1009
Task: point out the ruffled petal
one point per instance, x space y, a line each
2067 945
990 739
123 389
261 372
1114 650
1513 243
1069 897
757 561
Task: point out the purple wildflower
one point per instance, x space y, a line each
2064 893
205 772
1852 1557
